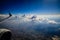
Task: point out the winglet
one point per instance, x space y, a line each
10 14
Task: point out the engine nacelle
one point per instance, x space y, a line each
5 34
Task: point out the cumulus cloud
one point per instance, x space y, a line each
37 19
52 22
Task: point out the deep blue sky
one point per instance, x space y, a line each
30 6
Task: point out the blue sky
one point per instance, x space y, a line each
30 6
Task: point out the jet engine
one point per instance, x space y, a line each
5 34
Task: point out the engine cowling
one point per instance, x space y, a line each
5 34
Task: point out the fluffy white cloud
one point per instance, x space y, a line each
37 19
52 22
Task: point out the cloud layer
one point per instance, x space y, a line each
33 25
